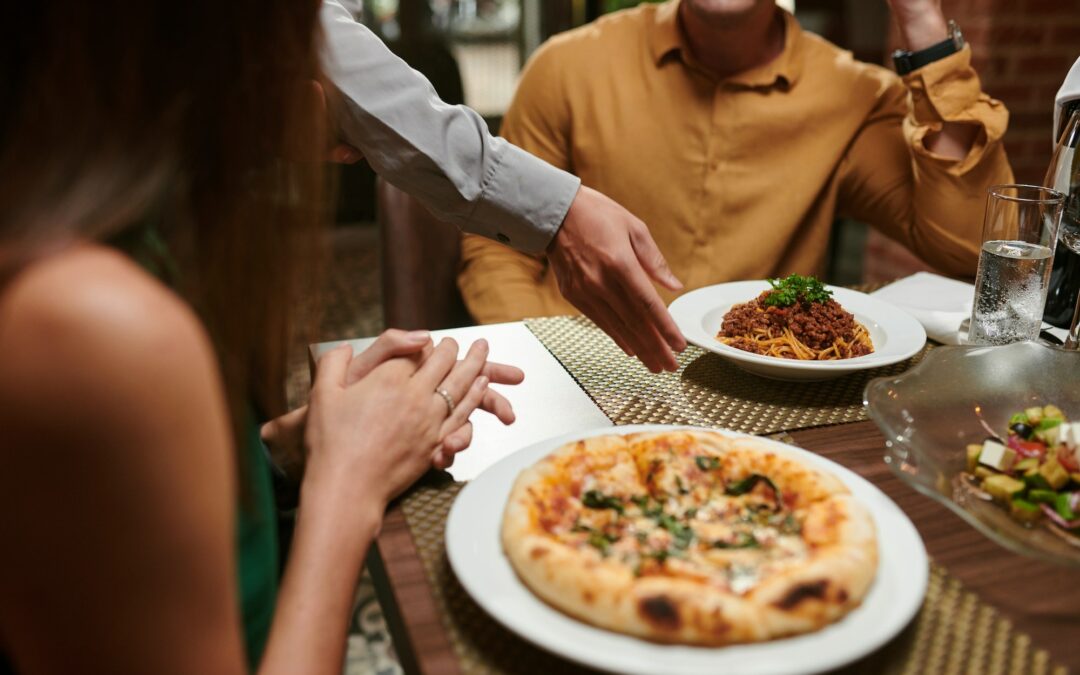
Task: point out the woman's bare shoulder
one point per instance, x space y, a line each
86 332
90 289
114 453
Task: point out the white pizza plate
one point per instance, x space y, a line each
476 556
896 334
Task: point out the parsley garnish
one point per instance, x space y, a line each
707 463
796 288
594 499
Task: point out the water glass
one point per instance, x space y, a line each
1019 235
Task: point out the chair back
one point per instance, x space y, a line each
419 258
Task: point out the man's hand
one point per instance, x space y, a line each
603 258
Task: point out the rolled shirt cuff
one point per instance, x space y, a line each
949 90
524 200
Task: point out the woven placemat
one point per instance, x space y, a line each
955 632
707 390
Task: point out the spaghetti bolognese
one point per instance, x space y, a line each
796 319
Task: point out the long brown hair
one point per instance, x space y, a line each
196 118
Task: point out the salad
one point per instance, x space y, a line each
1034 471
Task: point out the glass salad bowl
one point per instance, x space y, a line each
961 395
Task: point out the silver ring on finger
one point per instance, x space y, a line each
448 399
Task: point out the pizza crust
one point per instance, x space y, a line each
687 602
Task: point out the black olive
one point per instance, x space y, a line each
1022 430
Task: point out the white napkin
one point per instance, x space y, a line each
940 304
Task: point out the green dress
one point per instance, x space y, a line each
257 550
256 522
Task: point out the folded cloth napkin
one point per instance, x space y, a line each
940 304
943 306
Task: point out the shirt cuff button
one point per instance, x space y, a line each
502 238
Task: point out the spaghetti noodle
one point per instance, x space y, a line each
808 330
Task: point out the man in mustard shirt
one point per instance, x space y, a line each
740 138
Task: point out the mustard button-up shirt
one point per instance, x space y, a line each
742 178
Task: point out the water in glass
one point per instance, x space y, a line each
1010 286
1019 232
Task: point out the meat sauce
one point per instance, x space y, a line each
818 325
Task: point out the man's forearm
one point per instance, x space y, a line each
441 154
922 25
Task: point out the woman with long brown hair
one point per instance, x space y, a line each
159 203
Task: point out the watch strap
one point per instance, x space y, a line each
907 61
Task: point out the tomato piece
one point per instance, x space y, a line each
1027 448
1068 460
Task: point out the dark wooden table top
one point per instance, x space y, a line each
1041 599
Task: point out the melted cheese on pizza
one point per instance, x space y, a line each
668 509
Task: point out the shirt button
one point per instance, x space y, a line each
502 238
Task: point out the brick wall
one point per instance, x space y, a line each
1022 50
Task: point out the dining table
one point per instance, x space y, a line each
986 609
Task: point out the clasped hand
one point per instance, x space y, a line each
376 422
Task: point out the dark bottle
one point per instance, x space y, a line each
1064 176
1064 286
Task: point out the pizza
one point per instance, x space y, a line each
690 537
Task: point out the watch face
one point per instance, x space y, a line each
956 35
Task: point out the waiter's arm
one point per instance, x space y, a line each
444 156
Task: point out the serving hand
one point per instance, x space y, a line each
604 258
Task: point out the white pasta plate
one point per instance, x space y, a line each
476 556
896 334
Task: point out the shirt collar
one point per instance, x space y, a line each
666 37
665 34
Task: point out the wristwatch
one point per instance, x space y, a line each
907 61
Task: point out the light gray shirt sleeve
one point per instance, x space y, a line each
441 154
